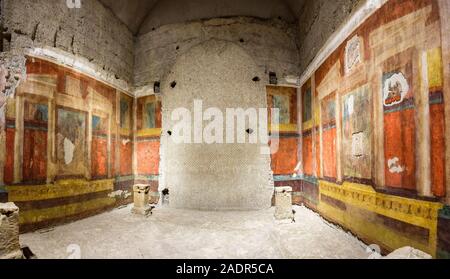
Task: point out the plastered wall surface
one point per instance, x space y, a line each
214 176
163 12
271 44
318 20
92 33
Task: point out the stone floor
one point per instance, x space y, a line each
172 233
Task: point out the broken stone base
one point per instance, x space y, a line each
283 203
141 199
9 232
142 210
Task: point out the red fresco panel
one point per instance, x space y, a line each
126 152
34 156
9 163
285 160
399 142
307 155
148 157
437 122
329 153
99 157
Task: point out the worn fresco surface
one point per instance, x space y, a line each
357 134
99 157
148 137
399 124
126 138
35 142
307 130
71 142
285 160
59 128
329 137
387 78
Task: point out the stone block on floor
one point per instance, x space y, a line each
283 203
141 199
9 232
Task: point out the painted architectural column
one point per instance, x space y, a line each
134 152
339 176
117 146
378 131
444 10
423 173
320 175
18 139
313 132
51 142
108 144
300 130
89 139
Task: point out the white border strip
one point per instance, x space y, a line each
356 19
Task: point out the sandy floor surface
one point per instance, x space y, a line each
187 234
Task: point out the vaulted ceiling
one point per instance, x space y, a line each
142 15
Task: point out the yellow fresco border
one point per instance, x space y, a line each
58 212
284 127
151 132
61 189
416 212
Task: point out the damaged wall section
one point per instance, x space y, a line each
91 33
318 20
271 43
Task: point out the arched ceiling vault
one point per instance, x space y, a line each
142 15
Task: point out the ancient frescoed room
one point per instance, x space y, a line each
225 129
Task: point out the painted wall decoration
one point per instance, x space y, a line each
437 120
353 54
357 134
150 115
71 142
126 137
148 136
307 130
328 114
399 122
285 160
99 157
282 102
395 89
57 159
35 142
388 79
125 112
285 100
307 105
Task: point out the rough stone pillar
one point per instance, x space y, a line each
9 232
141 199
283 203
3 74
